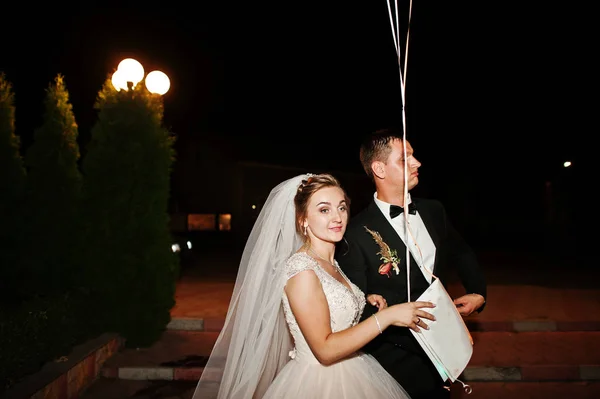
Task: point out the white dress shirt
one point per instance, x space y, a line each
419 244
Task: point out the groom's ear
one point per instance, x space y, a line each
378 169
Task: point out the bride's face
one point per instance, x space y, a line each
327 215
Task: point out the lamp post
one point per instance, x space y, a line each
130 72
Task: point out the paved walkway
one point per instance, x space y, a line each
542 314
521 287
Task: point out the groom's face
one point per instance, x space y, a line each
394 167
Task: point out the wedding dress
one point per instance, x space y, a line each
255 351
357 377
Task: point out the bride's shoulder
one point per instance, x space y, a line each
299 262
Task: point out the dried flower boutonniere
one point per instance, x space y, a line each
388 256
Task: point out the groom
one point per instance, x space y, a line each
434 248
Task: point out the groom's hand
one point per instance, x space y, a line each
469 303
377 300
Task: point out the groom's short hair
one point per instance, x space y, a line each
375 147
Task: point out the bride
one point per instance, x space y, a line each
292 329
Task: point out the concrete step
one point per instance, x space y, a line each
528 390
174 349
474 325
105 388
497 356
111 388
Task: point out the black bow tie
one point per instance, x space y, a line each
395 210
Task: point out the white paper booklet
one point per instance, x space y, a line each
448 342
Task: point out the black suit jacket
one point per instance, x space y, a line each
358 257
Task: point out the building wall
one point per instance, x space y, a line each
207 180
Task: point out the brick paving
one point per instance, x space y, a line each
520 288
506 349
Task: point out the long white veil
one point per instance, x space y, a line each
255 342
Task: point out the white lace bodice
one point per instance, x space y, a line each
345 306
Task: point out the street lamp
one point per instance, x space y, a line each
130 72
118 80
157 82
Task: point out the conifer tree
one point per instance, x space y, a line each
126 172
12 179
53 190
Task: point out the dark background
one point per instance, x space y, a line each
496 94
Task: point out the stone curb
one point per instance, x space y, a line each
538 373
216 324
68 379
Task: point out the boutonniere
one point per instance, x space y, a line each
388 256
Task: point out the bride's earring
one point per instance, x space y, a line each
305 230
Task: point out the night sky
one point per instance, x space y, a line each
496 94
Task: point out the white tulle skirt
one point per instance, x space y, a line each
358 377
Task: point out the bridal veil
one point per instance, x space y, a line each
254 344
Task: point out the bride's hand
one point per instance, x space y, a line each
411 315
377 301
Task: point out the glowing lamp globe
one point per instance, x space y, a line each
131 70
157 82
118 81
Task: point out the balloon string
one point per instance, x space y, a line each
396 47
406 47
399 49
396 37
